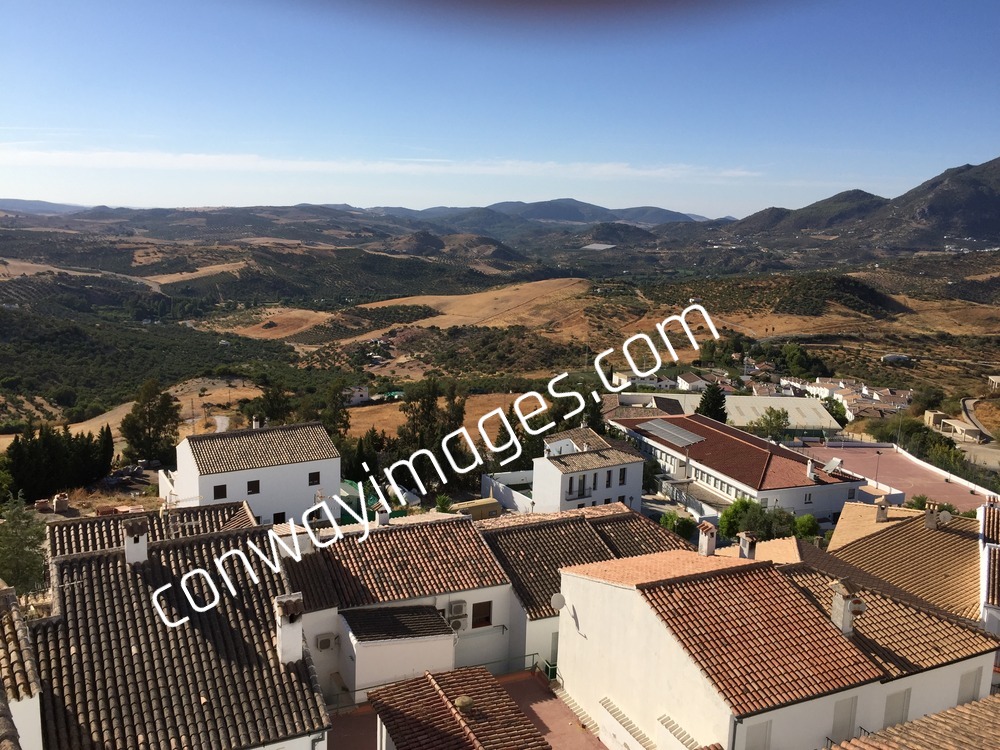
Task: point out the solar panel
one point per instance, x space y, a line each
673 434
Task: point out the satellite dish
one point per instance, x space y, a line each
558 601
944 517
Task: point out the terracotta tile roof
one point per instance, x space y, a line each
519 519
602 458
579 436
993 575
105 532
421 714
239 450
391 623
857 520
532 554
897 637
630 534
715 746
970 726
8 732
18 670
114 676
791 551
662 566
754 665
991 524
394 564
940 566
745 458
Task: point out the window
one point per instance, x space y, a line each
607 480
850 493
253 487
278 518
313 478
897 708
571 485
594 485
621 498
580 505
607 501
492 514
763 502
219 492
809 498
593 502
621 475
482 614
968 686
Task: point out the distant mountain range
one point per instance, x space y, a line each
960 203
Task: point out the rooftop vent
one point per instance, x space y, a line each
136 532
706 539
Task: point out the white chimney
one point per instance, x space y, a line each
383 517
136 532
706 539
881 510
256 422
288 610
931 516
809 470
748 545
846 605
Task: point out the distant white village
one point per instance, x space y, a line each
550 611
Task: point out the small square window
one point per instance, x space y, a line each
278 518
581 505
482 614
313 478
219 492
607 501
621 498
809 497
253 487
850 493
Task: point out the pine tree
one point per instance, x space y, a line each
22 551
713 403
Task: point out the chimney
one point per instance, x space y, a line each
256 422
136 532
383 517
881 510
846 605
548 451
809 470
931 516
706 539
748 545
586 447
288 610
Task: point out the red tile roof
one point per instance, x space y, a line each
105 532
646 569
972 726
745 458
421 714
754 665
114 676
18 670
939 565
394 564
991 524
239 450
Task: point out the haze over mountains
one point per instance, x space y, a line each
960 203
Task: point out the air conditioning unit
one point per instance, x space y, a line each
456 609
326 641
457 623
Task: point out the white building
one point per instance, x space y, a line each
368 605
689 381
721 463
579 469
631 380
277 470
531 548
679 650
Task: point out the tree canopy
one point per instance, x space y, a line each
22 550
748 515
150 429
713 403
773 424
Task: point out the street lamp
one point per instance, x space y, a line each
878 457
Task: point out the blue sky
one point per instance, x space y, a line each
710 108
